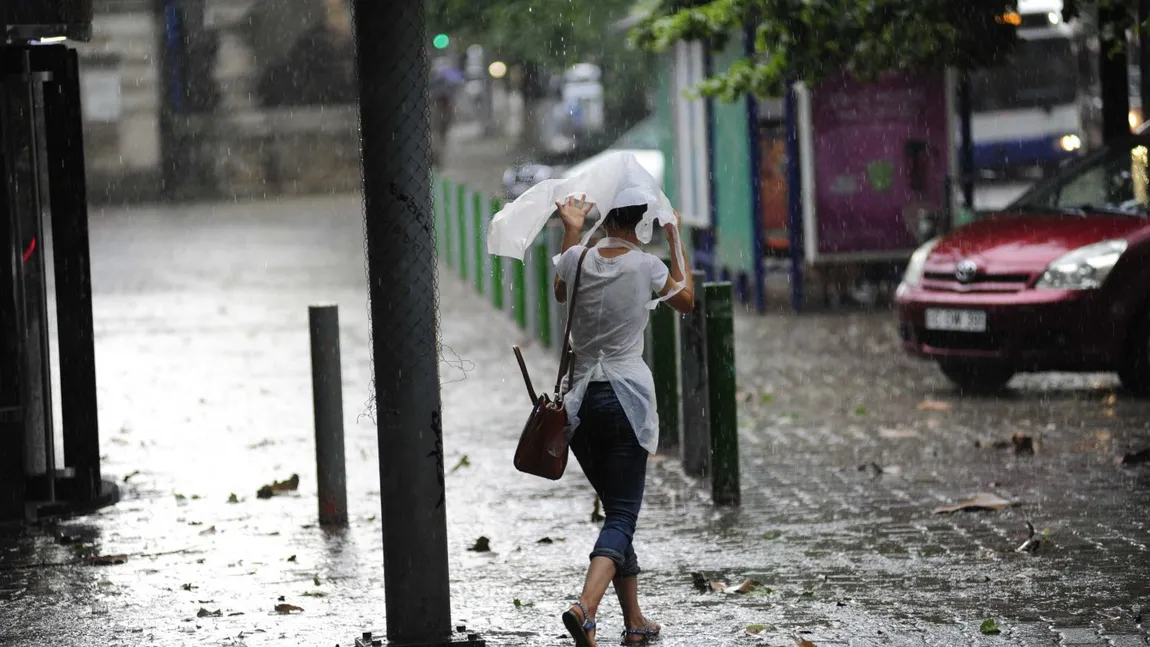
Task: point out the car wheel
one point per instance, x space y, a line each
977 379
1135 375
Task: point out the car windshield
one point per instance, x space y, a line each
1113 181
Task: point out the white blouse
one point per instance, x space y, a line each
607 333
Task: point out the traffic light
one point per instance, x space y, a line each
441 41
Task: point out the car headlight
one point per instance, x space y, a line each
1085 268
917 265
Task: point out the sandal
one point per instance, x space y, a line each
645 634
578 628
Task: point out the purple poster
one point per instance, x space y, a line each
881 157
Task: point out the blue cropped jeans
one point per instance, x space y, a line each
616 465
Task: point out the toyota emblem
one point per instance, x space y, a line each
965 271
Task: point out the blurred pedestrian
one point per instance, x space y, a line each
612 392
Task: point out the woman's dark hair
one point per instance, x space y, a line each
624 217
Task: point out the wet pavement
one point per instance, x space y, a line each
847 447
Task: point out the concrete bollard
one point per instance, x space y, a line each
665 369
327 397
720 327
696 435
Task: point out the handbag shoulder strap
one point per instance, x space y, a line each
567 361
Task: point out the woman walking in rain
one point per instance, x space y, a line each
611 400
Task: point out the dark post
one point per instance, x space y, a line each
721 386
327 399
1113 73
391 61
696 445
966 143
11 419
665 368
794 200
69 206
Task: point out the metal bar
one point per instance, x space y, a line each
1143 57
757 225
721 394
391 61
497 288
794 200
440 215
479 217
461 218
665 369
327 399
966 143
696 438
12 481
519 288
542 293
69 208
448 223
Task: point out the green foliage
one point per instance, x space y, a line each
805 40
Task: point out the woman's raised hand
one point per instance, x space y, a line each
574 212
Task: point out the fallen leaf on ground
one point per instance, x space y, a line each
287 608
707 585
989 627
291 559
750 586
755 630
314 594
980 501
232 498
935 405
210 530
803 642
204 613
897 433
1137 458
766 398
235 613
519 604
550 540
596 513
129 475
106 560
772 534
189 587
463 462
482 545
1032 543
860 410
315 580
268 491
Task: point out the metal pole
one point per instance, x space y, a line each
391 61
477 216
327 397
447 221
543 292
497 289
696 445
720 325
665 368
1144 57
794 200
1114 73
461 218
69 206
966 146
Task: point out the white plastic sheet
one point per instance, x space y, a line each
616 176
618 180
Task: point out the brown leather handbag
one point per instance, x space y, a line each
542 449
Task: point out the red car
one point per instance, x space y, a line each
1057 281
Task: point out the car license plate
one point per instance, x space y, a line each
956 320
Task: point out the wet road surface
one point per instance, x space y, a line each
202 351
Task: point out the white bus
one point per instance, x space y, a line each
1032 111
